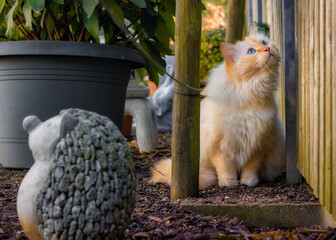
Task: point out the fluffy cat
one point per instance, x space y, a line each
242 138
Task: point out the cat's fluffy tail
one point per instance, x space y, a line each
161 172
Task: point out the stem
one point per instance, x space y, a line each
26 33
54 19
73 16
46 24
27 36
81 34
122 31
23 25
70 38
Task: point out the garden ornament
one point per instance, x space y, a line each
82 184
163 98
139 105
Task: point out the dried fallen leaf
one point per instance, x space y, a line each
156 219
141 235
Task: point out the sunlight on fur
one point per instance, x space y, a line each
242 138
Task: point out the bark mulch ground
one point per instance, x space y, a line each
157 217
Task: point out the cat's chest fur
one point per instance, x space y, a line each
240 132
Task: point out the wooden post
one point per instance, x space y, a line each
254 7
293 174
248 16
186 108
260 12
235 21
250 13
333 80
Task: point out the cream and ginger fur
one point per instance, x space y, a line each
242 139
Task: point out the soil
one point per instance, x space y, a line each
157 217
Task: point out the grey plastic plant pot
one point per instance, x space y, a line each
43 77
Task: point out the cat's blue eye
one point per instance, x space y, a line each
264 43
251 51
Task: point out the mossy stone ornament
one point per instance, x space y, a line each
82 183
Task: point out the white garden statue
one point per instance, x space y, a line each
163 98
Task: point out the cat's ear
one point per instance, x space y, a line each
253 29
228 52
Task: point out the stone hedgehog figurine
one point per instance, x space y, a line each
82 183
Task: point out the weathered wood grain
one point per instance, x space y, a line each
235 21
290 70
322 103
186 109
333 51
328 105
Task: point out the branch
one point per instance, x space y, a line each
46 24
25 27
122 31
27 36
26 33
54 19
146 55
73 16
81 34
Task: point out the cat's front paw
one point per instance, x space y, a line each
249 181
227 182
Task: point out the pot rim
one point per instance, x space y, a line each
68 48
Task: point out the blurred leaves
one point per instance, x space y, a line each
145 25
211 55
89 6
36 5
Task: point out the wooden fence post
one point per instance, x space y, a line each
260 12
235 21
186 108
290 65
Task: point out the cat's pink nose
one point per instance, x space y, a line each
267 49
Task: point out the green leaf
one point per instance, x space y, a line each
140 3
141 72
89 6
76 8
153 52
27 13
36 5
148 22
168 20
9 20
92 23
161 32
170 6
150 9
2 4
108 32
51 25
163 48
115 12
59 1
152 73
203 7
42 17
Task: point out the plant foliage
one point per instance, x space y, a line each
149 23
210 50
262 27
